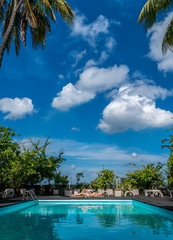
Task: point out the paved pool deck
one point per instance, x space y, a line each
165 202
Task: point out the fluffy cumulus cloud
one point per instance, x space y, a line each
70 96
134 107
16 108
156 36
92 81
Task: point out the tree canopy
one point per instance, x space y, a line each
17 16
147 177
28 166
170 160
148 16
106 178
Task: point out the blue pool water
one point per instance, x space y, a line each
90 220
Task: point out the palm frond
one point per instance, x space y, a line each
150 11
39 34
23 24
3 8
30 14
168 38
16 32
64 10
5 25
47 8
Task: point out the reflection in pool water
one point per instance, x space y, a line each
50 220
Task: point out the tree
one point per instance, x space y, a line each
9 154
147 177
148 17
39 166
30 166
170 160
78 177
106 178
19 15
59 179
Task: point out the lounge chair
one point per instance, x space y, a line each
76 191
23 192
100 190
133 192
8 193
153 192
171 193
109 192
118 193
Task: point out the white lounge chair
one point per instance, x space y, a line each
171 193
133 192
130 192
23 192
118 193
153 192
8 193
100 190
76 191
109 192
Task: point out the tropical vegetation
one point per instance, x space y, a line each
170 160
105 178
21 166
17 16
146 177
149 15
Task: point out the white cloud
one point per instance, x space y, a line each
61 76
73 167
97 80
77 56
134 107
16 108
103 57
110 43
91 31
156 36
69 97
92 81
75 129
134 155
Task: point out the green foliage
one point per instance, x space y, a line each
78 177
30 166
106 178
148 17
170 160
147 177
60 179
33 15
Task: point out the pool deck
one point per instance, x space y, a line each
165 202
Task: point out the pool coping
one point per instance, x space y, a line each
164 203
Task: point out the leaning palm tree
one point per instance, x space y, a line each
17 16
148 17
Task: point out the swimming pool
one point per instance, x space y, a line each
85 219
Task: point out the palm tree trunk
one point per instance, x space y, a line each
9 29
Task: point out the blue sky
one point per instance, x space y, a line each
101 90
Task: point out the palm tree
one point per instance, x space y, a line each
19 15
148 17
